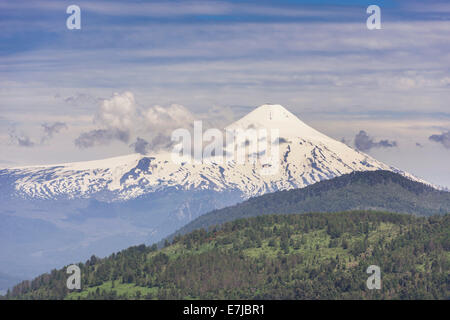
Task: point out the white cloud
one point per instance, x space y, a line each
118 112
166 119
120 118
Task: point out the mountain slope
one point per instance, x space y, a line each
376 190
309 256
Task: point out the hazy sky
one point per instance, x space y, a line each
140 68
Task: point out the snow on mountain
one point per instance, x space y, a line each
306 156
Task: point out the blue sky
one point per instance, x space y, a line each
220 59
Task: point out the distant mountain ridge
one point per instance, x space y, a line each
7 281
369 190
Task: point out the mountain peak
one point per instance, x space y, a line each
271 112
275 116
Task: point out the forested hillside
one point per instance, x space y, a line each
369 190
298 256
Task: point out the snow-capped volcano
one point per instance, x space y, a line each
305 156
59 214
